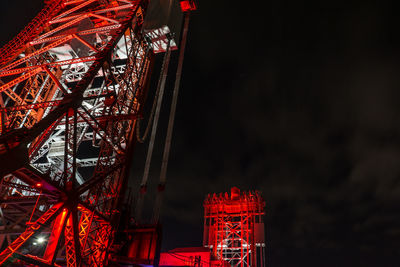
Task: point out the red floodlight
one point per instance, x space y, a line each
188 5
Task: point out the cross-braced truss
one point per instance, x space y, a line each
72 85
231 228
233 239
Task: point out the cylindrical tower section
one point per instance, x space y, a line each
234 227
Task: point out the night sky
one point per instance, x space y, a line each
297 99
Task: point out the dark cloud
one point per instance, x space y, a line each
300 102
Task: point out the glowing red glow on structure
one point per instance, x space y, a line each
55 235
234 227
188 5
75 82
191 256
142 246
73 53
186 257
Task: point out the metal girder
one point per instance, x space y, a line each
17 243
71 102
230 227
12 48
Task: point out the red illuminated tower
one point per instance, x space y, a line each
72 86
234 227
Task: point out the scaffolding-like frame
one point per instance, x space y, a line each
234 227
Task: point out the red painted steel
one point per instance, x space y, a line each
190 256
72 84
232 227
30 230
30 31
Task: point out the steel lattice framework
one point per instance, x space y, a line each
73 83
234 228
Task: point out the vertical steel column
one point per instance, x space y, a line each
58 226
168 138
160 90
53 135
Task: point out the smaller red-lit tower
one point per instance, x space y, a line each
234 227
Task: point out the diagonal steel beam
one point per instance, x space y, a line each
32 229
31 176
